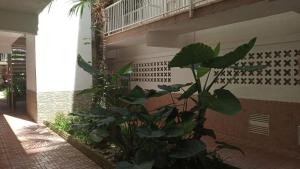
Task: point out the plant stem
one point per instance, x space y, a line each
206 81
172 98
215 79
199 87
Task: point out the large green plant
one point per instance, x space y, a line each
108 90
169 137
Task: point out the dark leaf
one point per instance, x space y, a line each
145 132
231 57
217 50
98 135
187 116
187 126
173 88
130 100
120 110
225 102
250 68
188 149
154 93
86 66
201 71
189 92
191 55
136 96
106 121
126 69
164 112
142 156
137 92
174 131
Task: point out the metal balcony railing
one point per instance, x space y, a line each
3 57
125 14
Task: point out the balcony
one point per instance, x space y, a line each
127 14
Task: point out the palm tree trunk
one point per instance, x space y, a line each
98 43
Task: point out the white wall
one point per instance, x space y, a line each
273 35
59 39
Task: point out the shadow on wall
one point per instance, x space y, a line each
83 80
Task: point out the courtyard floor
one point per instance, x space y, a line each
26 145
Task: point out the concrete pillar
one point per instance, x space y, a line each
53 76
31 92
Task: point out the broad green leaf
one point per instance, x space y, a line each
106 121
174 131
189 92
231 57
201 71
98 135
206 99
191 55
120 110
173 88
136 96
130 100
188 149
86 66
126 69
187 115
143 156
164 112
145 132
187 126
217 49
137 92
249 68
154 93
225 102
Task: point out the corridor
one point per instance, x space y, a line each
26 145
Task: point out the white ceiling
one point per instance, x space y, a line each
24 6
7 39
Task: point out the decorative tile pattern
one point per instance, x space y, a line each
282 69
152 72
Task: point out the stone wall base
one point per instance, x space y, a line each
44 105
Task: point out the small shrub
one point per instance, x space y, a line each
82 134
62 122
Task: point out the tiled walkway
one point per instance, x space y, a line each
25 145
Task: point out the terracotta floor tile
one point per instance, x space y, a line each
26 145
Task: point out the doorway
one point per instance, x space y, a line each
13 78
